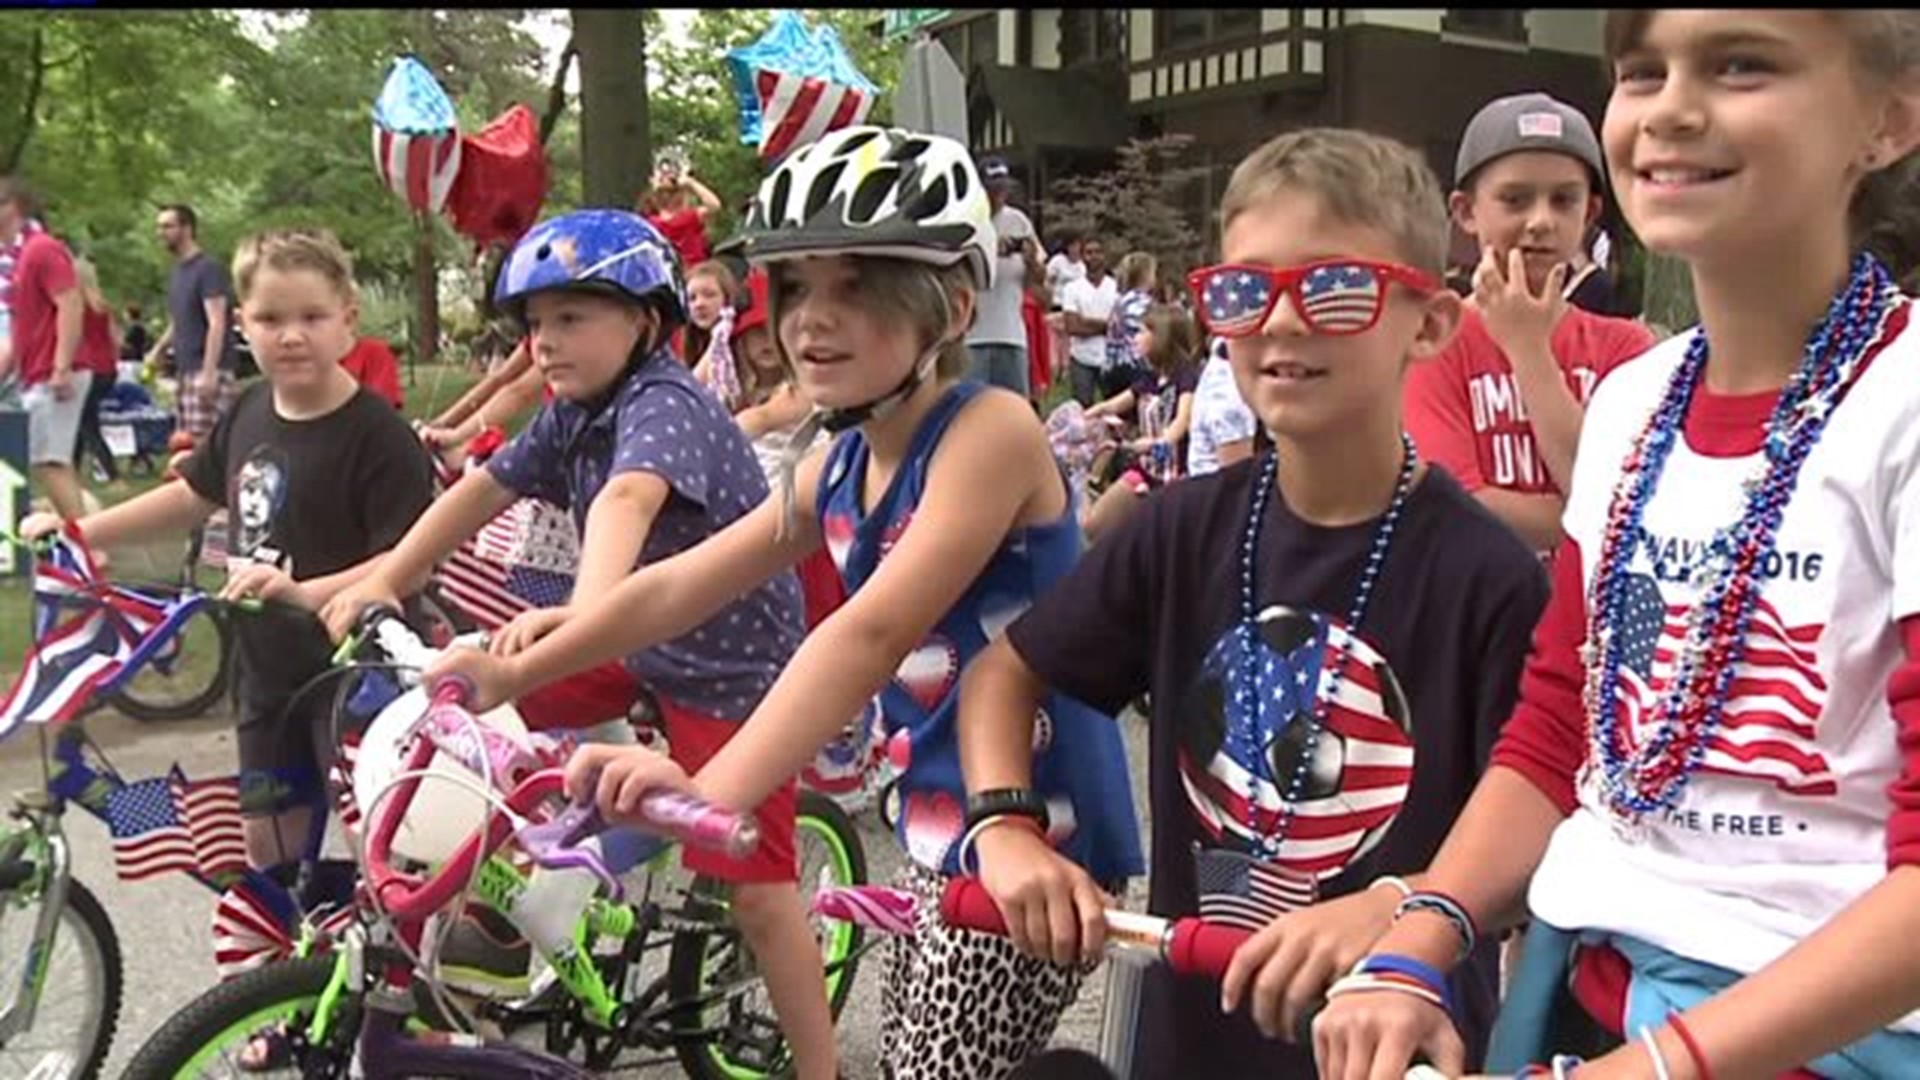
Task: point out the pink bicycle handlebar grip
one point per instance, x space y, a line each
1200 948
967 904
701 824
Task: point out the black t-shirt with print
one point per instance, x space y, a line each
312 497
1152 608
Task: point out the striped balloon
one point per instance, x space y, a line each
796 110
418 168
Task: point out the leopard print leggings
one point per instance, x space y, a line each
962 1005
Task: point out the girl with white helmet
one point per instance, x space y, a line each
650 464
945 513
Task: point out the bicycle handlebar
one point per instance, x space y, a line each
1188 945
450 727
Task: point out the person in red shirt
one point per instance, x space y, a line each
373 365
45 298
1500 408
679 207
100 355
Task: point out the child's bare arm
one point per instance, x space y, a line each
171 508
781 411
617 526
963 518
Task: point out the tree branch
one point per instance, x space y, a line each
30 109
557 93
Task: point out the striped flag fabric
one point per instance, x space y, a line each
418 168
1239 890
87 633
1341 298
506 568
1769 725
167 823
798 109
1236 300
249 929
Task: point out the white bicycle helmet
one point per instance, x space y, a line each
443 812
876 191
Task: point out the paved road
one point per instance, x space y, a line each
163 924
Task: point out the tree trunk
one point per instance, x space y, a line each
557 93
30 107
426 294
616 152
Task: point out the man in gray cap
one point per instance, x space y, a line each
998 339
1500 408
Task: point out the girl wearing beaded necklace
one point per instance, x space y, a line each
1707 796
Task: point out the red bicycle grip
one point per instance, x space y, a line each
967 904
1202 948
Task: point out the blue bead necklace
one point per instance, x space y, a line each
1250 703
1638 780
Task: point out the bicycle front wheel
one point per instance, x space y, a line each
712 972
79 995
189 674
211 1037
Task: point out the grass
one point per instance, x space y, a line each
433 389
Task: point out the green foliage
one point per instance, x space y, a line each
694 109
1135 206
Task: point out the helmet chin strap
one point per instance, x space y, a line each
835 421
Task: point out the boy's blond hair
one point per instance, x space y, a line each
1362 179
286 250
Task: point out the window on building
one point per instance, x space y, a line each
1087 36
1023 39
1191 28
1503 24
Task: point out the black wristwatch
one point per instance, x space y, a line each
1025 802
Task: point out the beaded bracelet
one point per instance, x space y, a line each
969 859
1426 974
1687 1040
1442 904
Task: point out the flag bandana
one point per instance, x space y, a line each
89 635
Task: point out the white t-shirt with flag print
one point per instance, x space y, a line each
1784 823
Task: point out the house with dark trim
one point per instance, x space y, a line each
1055 90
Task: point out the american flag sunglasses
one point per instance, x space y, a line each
1333 296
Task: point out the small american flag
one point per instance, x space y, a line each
1239 890
483 578
166 823
1236 301
1339 299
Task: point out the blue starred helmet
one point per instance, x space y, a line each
612 251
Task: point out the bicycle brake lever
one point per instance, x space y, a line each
557 844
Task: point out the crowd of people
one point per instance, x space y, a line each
1457 605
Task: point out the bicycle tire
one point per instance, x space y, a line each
196 699
688 959
232 1013
86 920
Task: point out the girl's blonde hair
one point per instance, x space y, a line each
1884 216
89 281
1138 268
287 250
1176 341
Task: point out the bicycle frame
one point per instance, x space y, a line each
53 859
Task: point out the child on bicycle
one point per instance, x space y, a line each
650 465
942 506
1709 784
319 477
1329 633
1161 401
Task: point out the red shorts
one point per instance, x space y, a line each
607 693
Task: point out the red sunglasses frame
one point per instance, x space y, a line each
1285 281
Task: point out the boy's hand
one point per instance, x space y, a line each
39 525
1053 909
1288 966
1378 1033
1519 320
618 777
262 581
493 679
526 628
341 612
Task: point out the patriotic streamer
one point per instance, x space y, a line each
796 84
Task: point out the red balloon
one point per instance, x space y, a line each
502 181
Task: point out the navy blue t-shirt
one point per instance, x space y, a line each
663 422
1425 686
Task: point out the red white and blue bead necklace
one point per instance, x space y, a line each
1652 776
1249 702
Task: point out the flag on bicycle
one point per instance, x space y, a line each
87 635
509 567
168 823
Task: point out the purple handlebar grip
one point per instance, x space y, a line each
701 823
554 844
